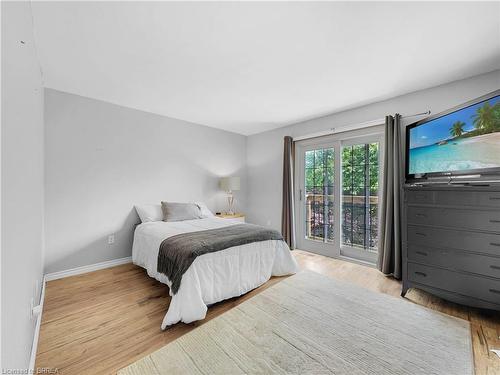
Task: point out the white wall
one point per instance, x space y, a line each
265 150
102 159
22 183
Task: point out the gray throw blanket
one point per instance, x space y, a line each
178 252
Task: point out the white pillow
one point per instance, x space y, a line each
153 212
175 211
149 212
205 212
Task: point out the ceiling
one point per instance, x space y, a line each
248 67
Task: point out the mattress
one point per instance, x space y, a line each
212 277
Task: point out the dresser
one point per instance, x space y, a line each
451 243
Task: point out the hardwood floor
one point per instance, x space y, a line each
99 322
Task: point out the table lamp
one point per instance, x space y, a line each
230 184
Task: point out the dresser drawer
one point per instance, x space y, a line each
420 196
454 239
455 218
490 199
456 260
468 198
469 285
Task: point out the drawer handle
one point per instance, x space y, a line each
424 235
420 215
494 198
495 291
495 244
425 275
495 267
421 253
494 221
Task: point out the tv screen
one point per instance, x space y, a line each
460 141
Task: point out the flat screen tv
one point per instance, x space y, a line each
462 141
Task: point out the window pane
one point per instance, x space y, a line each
374 239
358 154
358 216
346 234
309 159
374 179
347 180
358 179
330 160
309 176
318 158
358 238
330 177
346 156
331 233
373 153
360 173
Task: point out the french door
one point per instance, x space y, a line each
318 186
337 195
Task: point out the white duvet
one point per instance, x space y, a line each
212 277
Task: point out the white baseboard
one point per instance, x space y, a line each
85 269
34 345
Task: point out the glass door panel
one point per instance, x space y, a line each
316 206
360 196
319 202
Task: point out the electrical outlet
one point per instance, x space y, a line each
37 310
111 239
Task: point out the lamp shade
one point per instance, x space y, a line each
230 183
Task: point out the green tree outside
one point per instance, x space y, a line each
320 170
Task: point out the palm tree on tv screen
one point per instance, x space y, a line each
457 129
496 117
484 119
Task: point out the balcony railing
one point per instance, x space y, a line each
359 220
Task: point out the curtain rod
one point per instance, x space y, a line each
342 129
417 114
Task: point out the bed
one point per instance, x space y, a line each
212 277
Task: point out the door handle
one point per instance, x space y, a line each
421 253
495 291
424 235
494 221
420 274
494 267
495 244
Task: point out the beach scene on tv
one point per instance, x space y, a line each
466 139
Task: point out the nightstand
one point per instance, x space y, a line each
237 216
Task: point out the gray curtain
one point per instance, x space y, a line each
287 211
389 256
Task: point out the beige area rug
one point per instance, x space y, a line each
311 324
